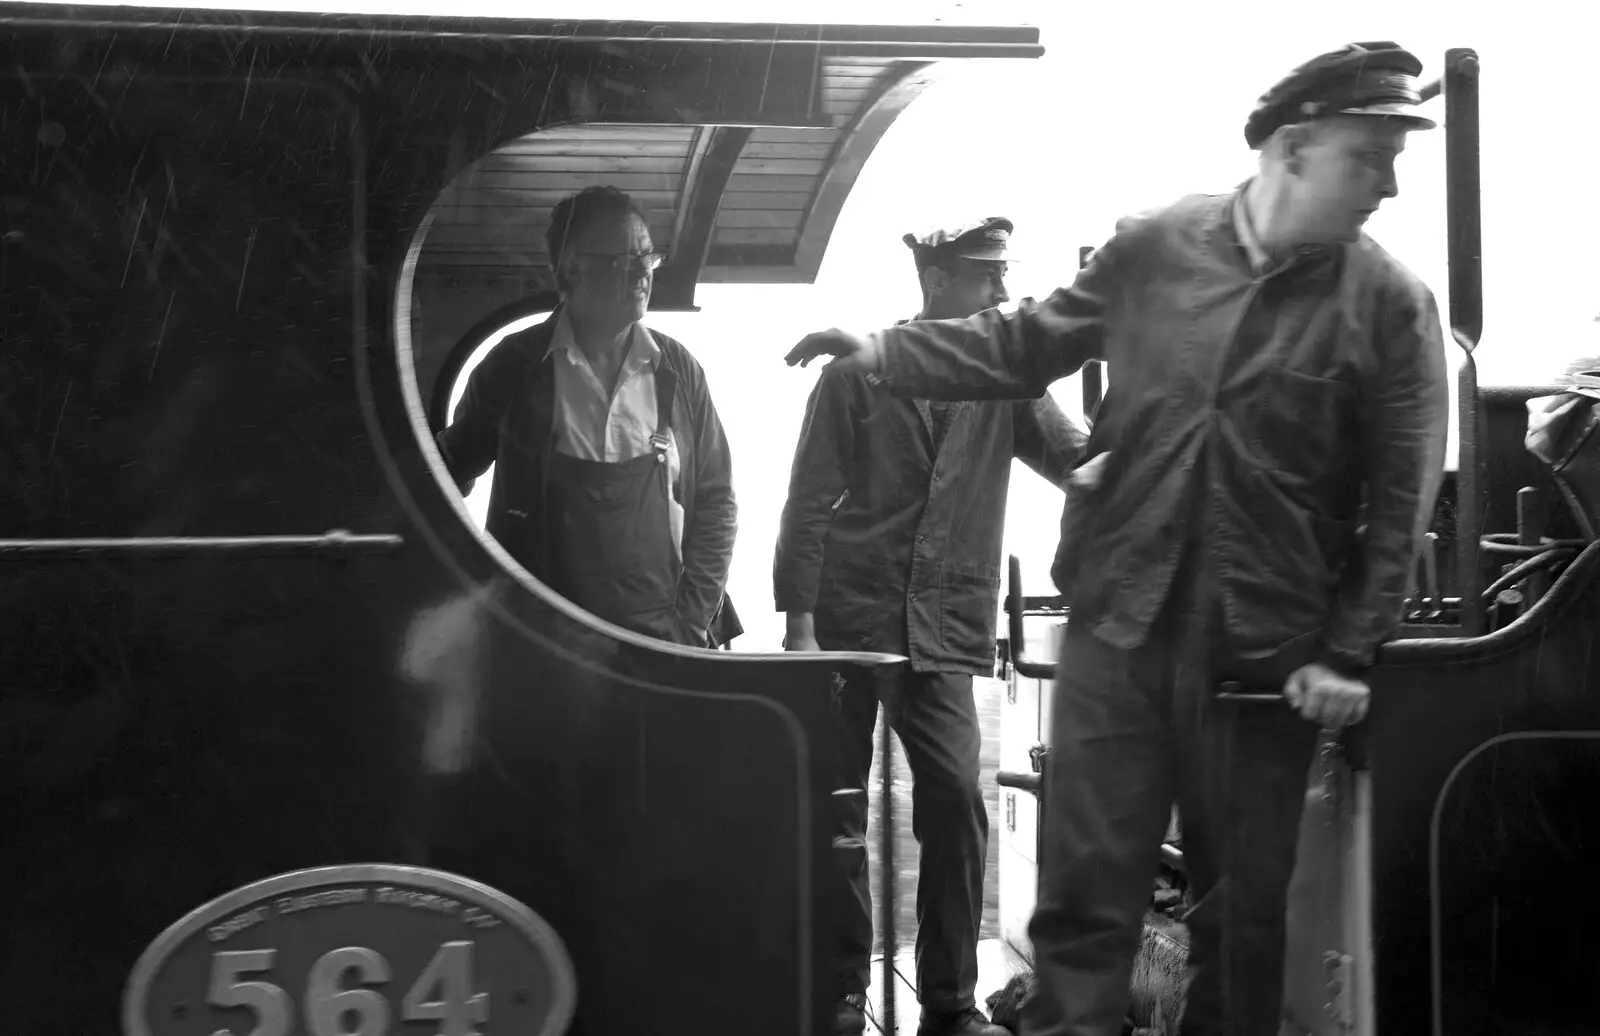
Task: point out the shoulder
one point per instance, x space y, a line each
1377 262
693 391
1150 229
516 349
1189 211
1395 285
677 356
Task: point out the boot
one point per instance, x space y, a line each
850 1016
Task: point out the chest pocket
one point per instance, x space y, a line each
1300 423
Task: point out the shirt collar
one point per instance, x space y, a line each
642 348
1260 261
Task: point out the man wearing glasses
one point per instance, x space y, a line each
612 480
890 541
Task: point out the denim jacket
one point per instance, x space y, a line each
891 534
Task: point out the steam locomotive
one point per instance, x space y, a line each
290 747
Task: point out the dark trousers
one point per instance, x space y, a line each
1133 731
937 722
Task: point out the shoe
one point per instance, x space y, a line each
850 1016
969 1022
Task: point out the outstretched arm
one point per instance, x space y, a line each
991 355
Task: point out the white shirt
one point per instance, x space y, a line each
594 423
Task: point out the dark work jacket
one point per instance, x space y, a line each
894 544
1251 418
507 417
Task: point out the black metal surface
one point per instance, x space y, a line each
203 312
1444 854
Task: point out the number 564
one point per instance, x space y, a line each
442 993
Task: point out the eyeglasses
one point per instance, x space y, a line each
626 260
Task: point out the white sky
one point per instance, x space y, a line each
1134 104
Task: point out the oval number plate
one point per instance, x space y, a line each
359 950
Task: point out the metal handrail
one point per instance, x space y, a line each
336 543
1015 604
1464 233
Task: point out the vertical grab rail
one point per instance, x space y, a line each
1464 222
1020 662
886 835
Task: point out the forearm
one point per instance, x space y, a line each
797 560
991 355
817 483
707 554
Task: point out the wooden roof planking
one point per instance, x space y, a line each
730 203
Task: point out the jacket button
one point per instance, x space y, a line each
913 595
922 539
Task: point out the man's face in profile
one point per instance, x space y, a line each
1346 171
973 285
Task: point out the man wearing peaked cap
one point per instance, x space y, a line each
1272 446
890 541
1376 79
985 241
